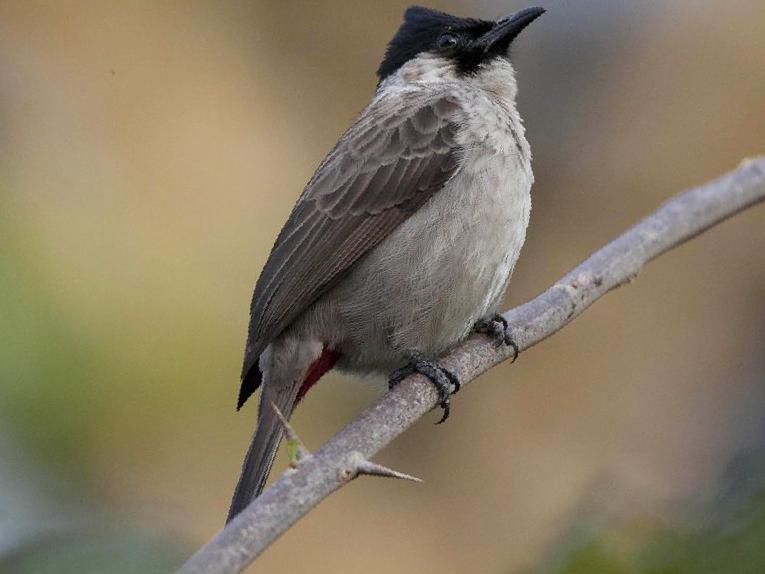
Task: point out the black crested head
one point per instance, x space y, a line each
467 41
420 32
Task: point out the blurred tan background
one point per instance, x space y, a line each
149 154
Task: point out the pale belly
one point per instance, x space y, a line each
437 274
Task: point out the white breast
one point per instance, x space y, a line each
446 266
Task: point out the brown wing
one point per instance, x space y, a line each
391 161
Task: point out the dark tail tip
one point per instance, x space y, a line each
250 382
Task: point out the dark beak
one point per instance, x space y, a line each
506 29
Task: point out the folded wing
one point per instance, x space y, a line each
389 163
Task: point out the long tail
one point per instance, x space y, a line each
290 370
262 451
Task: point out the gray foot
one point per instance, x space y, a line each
442 379
497 329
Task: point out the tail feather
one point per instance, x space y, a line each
262 451
291 367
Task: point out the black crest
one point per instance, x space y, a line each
421 31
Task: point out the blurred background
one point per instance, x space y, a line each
149 154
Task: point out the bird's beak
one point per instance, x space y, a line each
506 29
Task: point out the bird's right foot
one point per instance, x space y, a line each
498 329
445 381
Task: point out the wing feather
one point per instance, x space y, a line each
398 153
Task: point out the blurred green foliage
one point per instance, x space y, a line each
40 350
114 552
734 547
723 536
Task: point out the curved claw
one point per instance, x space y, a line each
516 351
446 408
446 382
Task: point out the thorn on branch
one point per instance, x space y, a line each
370 468
360 466
296 450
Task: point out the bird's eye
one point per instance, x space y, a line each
447 41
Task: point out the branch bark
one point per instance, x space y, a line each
347 454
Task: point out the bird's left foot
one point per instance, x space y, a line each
445 381
498 329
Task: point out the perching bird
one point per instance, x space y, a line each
404 239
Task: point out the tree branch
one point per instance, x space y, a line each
347 454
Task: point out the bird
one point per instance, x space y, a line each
403 241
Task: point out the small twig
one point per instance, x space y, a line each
295 493
296 450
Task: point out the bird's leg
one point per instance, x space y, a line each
498 329
446 382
